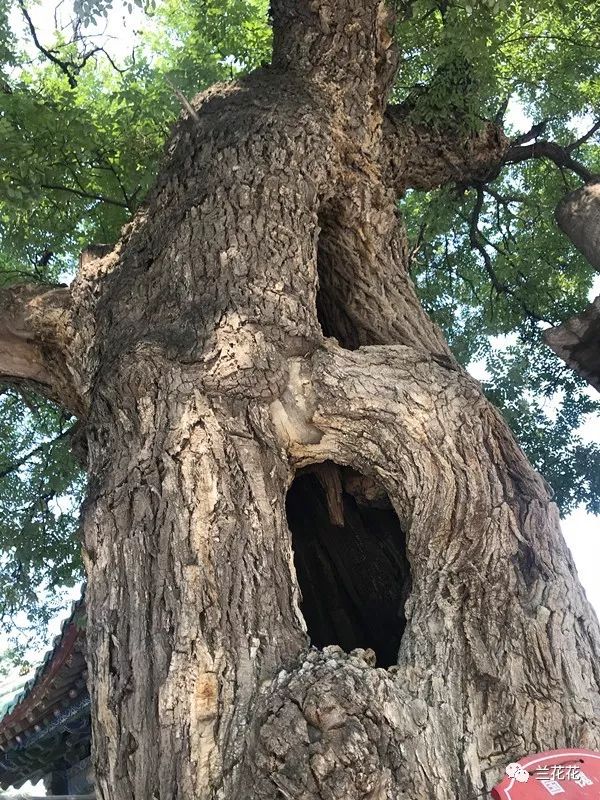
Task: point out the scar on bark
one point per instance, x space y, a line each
350 558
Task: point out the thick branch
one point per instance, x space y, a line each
415 156
577 342
34 338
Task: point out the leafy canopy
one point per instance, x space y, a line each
82 126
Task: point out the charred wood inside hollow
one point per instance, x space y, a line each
350 558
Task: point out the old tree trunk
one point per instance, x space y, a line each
256 326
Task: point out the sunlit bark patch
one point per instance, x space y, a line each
350 558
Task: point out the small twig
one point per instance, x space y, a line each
86 195
69 68
499 115
40 448
419 241
62 65
476 240
184 101
479 242
583 139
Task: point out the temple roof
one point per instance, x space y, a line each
45 724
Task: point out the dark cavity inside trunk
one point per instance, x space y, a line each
334 285
350 558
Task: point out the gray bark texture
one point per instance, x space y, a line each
208 373
577 341
578 216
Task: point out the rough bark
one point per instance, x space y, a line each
578 216
198 346
577 342
416 156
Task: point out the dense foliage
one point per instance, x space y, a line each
82 122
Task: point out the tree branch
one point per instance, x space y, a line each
34 341
550 150
583 139
416 156
86 195
480 243
534 133
62 65
68 68
477 242
4 471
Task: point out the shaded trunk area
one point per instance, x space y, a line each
350 558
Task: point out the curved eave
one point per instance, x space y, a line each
62 741
59 679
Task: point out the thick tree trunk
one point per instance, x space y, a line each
577 341
199 357
578 216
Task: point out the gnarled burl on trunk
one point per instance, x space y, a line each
256 324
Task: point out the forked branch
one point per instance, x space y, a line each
561 156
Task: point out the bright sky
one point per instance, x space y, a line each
118 33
